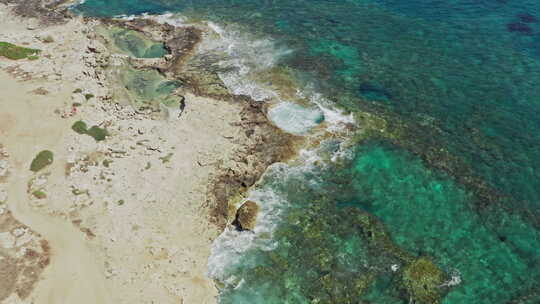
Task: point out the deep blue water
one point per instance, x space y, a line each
455 178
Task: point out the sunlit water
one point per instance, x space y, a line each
457 181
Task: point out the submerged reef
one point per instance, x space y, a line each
519 27
374 92
423 281
527 18
357 232
331 251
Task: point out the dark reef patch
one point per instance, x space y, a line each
374 92
519 27
527 18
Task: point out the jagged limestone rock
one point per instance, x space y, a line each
246 216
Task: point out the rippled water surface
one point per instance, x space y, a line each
444 205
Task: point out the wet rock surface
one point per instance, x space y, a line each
246 216
264 145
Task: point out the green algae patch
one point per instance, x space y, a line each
98 133
42 160
95 132
39 194
80 127
422 279
14 52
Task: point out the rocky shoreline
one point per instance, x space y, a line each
134 207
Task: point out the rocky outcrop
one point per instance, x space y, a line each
423 280
261 145
46 11
246 216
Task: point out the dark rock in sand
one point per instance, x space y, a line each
46 11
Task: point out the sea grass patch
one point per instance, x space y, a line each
14 52
42 160
80 127
97 133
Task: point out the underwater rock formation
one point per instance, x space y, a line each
422 279
519 27
374 92
527 18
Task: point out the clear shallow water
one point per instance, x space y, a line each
458 83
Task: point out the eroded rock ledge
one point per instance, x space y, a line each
262 144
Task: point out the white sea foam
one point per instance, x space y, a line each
77 2
455 279
246 56
294 118
229 249
165 18
171 19
335 118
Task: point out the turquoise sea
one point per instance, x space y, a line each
440 201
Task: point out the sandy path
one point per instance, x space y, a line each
73 276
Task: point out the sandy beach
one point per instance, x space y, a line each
128 219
